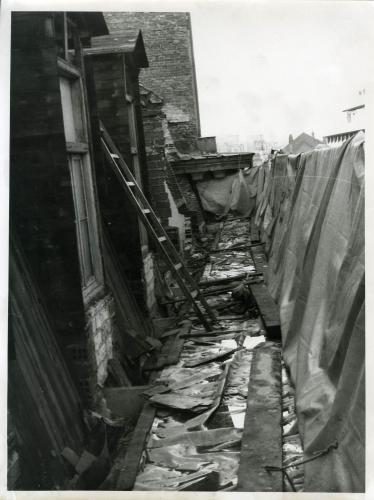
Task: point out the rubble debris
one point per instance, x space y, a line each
180 401
209 482
206 358
169 354
176 457
125 402
206 438
197 430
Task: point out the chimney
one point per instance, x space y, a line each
290 139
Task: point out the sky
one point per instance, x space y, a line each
269 68
280 68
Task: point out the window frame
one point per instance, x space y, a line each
93 285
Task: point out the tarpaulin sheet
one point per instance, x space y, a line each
311 215
234 192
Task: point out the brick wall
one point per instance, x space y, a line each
171 72
101 332
193 205
153 126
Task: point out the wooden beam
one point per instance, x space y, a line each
169 355
268 309
131 462
262 434
259 258
218 281
255 234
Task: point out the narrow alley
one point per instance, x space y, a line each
181 318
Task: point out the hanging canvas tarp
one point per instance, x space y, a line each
234 192
311 214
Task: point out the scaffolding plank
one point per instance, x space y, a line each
262 435
268 309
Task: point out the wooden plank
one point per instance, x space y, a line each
259 259
262 435
255 234
126 402
218 281
169 355
175 352
237 247
130 465
268 309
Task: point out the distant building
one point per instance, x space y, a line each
303 143
229 143
356 116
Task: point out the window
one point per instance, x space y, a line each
75 129
86 228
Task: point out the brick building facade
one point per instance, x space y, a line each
171 72
170 109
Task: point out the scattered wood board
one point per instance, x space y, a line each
169 354
125 402
268 309
207 359
262 435
259 259
130 465
216 281
255 234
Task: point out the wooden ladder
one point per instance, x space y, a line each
155 230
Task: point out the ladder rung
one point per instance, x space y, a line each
152 225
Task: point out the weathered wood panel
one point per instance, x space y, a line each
42 397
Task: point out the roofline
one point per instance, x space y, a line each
344 133
137 49
213 158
